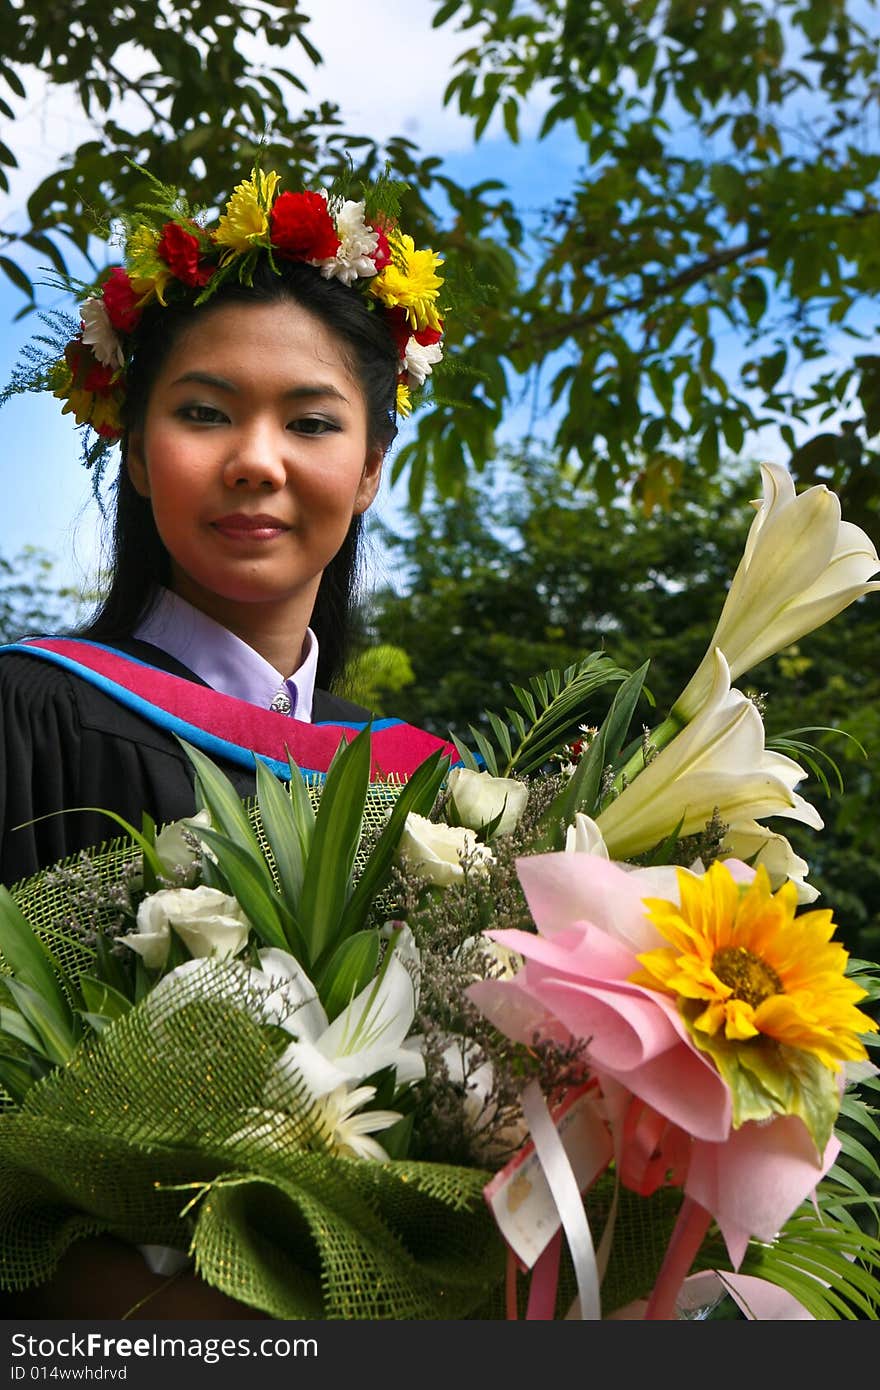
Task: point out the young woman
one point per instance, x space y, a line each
251 372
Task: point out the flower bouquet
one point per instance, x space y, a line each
545 1034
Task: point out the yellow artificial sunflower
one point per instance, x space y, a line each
410 280
760 971
245 222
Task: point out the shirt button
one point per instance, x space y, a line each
281 702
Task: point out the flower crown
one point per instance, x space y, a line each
172 256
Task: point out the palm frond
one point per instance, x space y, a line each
551 709
829 1264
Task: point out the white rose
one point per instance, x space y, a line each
209 922
437 851
175 847
494 1143
479 798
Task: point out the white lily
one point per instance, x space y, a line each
755 844
367 1036
583 836
801 566
717 762
328 1058
348 1127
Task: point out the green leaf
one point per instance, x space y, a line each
349 970
327 883
29 960
57 1031
583 789
282 827
15 1025
486 751
109 968
303 811
418 795
17 276
17 1077
101 998
221 800
250 883
147 849
465 754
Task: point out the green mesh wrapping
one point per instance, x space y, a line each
144 1134
151 1134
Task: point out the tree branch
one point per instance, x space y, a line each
689 276
131 86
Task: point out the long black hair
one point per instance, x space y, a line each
139 563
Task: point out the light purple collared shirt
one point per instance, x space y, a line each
225 662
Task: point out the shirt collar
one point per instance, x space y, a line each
224 661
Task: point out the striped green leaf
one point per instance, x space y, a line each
327 883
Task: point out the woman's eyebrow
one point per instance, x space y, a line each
205 379
307 391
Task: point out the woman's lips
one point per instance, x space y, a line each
239 526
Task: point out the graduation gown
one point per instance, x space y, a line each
70 750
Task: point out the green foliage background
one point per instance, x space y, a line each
532 573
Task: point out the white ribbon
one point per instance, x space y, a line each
566 1194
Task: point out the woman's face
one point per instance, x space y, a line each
254 456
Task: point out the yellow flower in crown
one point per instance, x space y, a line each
245 222
410 280
91 408
404 400
148 273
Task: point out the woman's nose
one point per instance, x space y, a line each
256 459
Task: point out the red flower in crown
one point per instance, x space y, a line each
428 336
180 251
302 228
401 331
382 254
398 322
99 379
88 373
120 301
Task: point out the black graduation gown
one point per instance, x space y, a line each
65 744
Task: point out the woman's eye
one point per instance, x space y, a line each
201 414
312 424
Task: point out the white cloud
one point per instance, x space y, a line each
387 71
